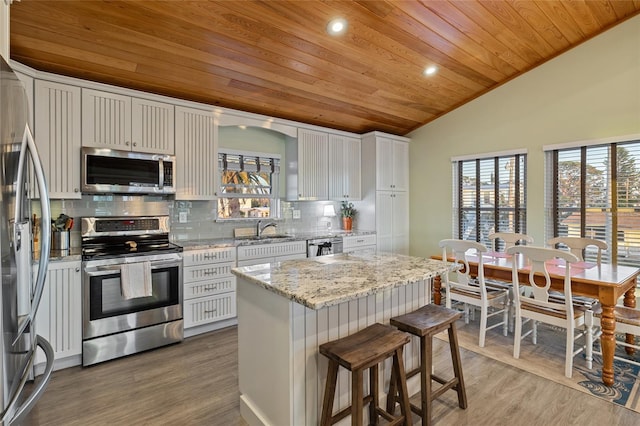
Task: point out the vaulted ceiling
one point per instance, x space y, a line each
276 57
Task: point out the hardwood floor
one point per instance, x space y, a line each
196 383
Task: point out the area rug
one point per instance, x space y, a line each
546 359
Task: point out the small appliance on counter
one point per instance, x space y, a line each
324 246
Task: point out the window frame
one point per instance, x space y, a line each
518 210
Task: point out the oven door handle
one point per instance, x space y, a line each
96 270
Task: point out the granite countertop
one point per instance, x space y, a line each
329 280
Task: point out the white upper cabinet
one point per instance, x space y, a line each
308 166
196 154
344 168
57 135
121 122
392 165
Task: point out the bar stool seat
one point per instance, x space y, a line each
358 352
425 323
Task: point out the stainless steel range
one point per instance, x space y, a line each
131 286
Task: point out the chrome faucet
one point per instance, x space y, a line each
260 230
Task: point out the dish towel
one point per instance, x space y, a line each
135 280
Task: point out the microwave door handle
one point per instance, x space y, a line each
161 173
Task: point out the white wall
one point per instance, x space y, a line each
590 92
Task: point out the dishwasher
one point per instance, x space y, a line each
324 246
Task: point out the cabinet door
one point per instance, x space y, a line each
313 165
400 166
152 127
344 168
196 154
106 120
384 220
400 222
384 164
59 317
57 135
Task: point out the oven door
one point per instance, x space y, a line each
106 311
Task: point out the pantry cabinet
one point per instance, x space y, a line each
196 154
57 136
59 316
110 120
209 287
344 168
385 190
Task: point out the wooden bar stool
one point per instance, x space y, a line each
425 323
358 352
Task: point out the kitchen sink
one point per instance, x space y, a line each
266 237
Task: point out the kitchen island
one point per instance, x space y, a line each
286 310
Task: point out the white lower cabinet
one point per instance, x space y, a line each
268 253
354 243
209 287
59 317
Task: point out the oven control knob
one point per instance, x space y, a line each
132 245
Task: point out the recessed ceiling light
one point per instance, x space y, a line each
430 70
337 26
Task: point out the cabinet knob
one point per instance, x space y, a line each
76 190
135 144
127 143
77 269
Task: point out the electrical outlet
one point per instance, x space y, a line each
296 214
183 217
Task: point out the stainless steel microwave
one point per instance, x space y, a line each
124 172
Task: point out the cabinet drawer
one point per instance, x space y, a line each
211 255
209 288
204 310
206 272
359 241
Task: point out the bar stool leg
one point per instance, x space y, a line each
398 366
356 398
373 391
457 366
393 390
426 357
329 393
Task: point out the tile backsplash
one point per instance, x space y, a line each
200 215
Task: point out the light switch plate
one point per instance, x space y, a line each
296 214
183 217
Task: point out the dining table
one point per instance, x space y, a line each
606 282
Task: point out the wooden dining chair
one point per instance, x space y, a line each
509 239
540 307
578 246
472 291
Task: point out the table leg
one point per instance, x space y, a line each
630 302
437 284
607 341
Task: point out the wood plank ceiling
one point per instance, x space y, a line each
276 58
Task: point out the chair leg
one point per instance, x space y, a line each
403 393
588 323
568 362
329 393
534 335
517 336
393 391
483 324
426 357
505 316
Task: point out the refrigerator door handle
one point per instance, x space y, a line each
28 404
28 144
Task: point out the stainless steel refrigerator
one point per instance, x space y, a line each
21 290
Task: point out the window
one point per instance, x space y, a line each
594 191
248 185
490 196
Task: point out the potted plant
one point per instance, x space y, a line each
347 211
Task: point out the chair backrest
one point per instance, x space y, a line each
461 250
578 245
510 239
538 262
